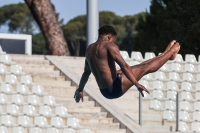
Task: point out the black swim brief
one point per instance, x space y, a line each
114 90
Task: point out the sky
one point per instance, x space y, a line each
69 9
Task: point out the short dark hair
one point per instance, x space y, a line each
107 29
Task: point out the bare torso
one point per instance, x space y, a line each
101 63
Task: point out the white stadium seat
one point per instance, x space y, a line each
168 115
158 94
160 76
3 99
49 100
190 58
52 130
22 89
26 79
6 59
158 85
69 130
24 121
13 109
1 51
196 116
170 105
3 69
40 121
18 129
171 95
184 116
6 88
174 76
35 130
57 122
2 112
17 99
183 127
186 96
197 86
176 67
197 96
38 90
149 55
7 120
196 106
179 58
29 110
172 85
186 86
74 123
125 55
188 77
11 79
84 131
155 104
190 68
185 106
62 112
4 129
195 126
34 100
16 69
45 111
135 55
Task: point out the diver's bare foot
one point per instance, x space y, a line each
169 46
174 49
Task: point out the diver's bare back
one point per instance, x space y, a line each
101 63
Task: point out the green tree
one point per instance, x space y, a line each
168 20
75 31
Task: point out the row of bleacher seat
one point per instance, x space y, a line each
19 129
135 55
40 121
34 112
170 85
30 110
173 76
171 105
22 89
165 81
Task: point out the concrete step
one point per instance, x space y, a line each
32 62
84 104
89 115
83 110
96 126
27 57
46 73
38 67
54 83
69 99
96 120
158 129
62 89
47 78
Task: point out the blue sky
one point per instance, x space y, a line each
69 9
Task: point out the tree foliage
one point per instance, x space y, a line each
75 30
168 20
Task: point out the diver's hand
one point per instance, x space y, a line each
142 88
78 95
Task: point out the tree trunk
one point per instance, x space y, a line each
44 13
